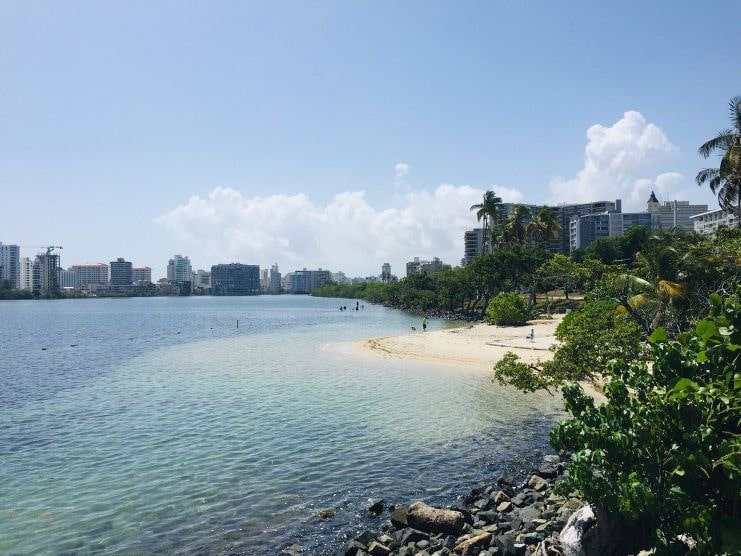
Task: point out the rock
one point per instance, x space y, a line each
548 471
375 507
500 496
365 538
482 539
326 514
589 532
504 507
408 535
351 548
424 544
434 520
399 518
506 479
483 503
385 539
378 549
529 513
537 483
551 458
521 499
488 516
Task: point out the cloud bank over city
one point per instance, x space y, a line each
625 161
345 234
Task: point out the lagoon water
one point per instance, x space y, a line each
157 426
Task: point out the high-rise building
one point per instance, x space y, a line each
45 274
585 229
673 214
141 275
202 279
179 269
386 272
26 274
707 223
90 274
307 281
235 279
10 265
424 266
473 244
68 279
121 273
275 280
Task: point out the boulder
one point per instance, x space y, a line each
375 507
435 520
482 539
378 549
537 483
399 518
504 507
590 532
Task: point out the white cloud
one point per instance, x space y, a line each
622 161
346 234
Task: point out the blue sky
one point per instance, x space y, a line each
242 131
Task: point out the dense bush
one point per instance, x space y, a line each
508 309
664 451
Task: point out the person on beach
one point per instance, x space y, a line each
424 324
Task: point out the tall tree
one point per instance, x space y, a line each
488 211
725 181
544 225
515 229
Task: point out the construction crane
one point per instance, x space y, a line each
49 248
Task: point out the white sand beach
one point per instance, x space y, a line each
476 346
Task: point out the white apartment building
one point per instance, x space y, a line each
707 223
26 273
179 269
10 262
90 274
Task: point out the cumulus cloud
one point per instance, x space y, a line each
622 161
345 234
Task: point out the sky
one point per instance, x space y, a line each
342 135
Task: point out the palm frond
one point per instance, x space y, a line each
671 290
721 142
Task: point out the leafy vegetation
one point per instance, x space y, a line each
508 309
664 451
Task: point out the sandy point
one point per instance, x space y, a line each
476 346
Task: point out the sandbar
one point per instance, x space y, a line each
476 346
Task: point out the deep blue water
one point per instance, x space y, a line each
133 426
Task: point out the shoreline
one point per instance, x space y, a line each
477 346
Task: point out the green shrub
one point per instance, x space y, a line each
664 451
508 309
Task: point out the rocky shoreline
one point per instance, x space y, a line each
507 518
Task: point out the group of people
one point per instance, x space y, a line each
358 306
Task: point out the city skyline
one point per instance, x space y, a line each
340 136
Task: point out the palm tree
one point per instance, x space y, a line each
660 287
544 225
725 181
488 210
515 229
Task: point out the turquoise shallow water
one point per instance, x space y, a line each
158 426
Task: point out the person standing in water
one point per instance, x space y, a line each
424 324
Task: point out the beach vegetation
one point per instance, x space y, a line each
508 309
664 451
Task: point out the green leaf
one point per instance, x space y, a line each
659 335
706 329
702 357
